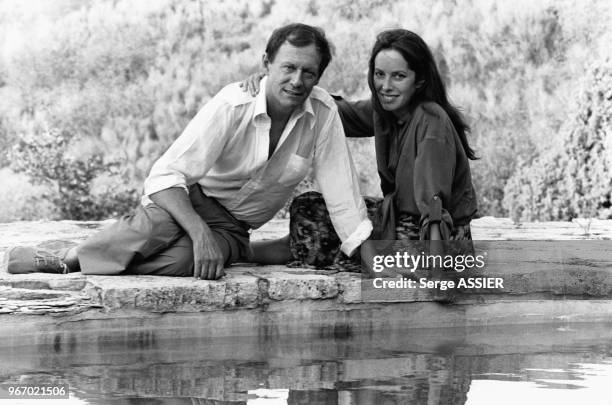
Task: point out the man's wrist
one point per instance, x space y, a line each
197 230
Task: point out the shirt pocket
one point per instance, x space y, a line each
295 170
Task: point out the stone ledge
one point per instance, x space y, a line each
539 280
259 287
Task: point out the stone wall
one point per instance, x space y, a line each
545 285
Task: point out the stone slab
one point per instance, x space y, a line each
540 285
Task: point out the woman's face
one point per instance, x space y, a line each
394 82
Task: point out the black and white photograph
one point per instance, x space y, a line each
275 202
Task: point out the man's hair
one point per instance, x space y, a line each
301 35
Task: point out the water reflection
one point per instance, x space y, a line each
436 366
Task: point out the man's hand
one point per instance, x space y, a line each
207 257
251 83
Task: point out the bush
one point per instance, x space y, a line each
23 202
128 76
43 159
575 181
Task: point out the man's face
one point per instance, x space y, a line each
291 76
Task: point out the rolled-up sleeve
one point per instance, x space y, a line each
434 169
194 152
339 184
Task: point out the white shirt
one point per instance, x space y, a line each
225 149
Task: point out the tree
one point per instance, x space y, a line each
576 180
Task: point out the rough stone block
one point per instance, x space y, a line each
299 285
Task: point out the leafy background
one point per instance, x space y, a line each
92 92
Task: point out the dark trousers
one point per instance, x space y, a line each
149 241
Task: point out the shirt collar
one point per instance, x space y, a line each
261 110
307 108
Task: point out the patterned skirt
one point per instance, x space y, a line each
315 244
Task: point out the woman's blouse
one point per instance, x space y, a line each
421 162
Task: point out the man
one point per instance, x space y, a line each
234 166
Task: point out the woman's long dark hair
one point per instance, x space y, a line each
420 60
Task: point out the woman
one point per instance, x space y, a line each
422 155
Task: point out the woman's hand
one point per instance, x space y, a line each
434 231
251 83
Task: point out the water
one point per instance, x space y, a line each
501 365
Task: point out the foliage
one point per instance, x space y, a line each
575 181
124 77
23 202
43 158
